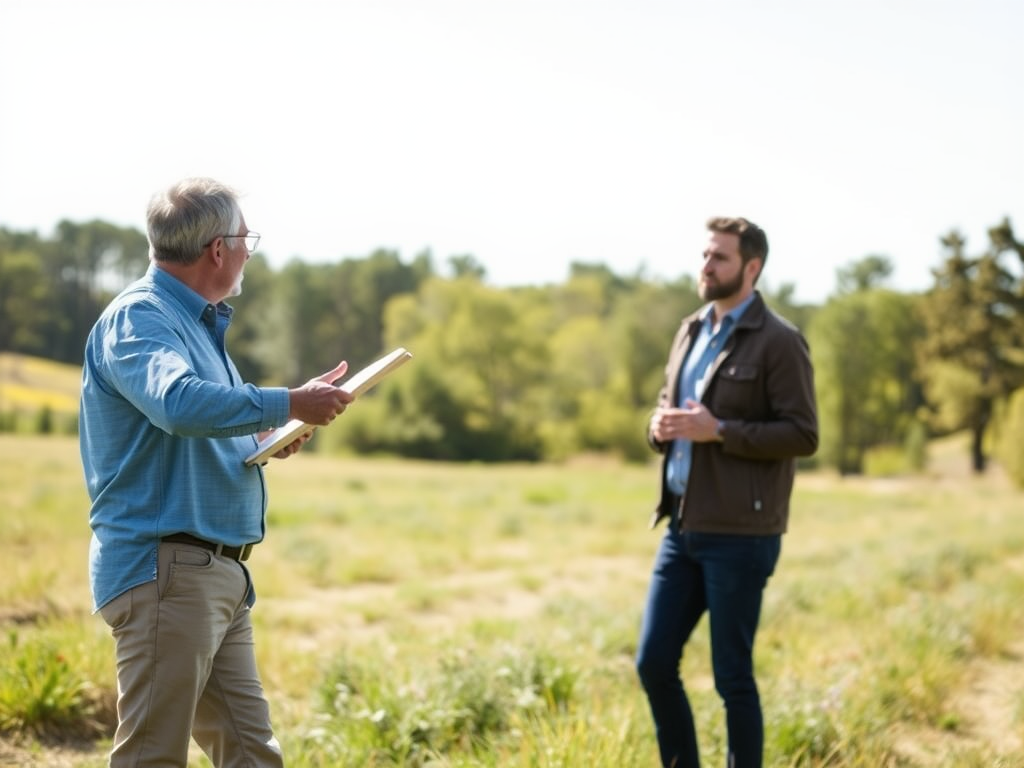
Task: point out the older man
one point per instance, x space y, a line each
165 424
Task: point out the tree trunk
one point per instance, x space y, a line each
977 450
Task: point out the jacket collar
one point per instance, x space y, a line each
752 317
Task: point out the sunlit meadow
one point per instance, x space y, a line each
420 614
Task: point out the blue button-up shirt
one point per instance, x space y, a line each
165 424
693 380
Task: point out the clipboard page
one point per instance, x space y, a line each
355 385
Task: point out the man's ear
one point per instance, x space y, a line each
753 268
215 251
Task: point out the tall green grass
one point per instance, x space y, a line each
416 614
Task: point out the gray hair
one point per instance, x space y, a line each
184 219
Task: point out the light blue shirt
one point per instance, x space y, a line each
165 424
693 380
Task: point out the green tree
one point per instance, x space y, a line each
466 265
971 355
332 312
864 274
359 290
52 289
259 337
26 303
89 263
862 344
475 388
783 302
640 330
582 363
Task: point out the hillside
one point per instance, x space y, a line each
29 384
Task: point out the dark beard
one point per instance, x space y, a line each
722 290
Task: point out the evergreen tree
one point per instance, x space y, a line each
970 357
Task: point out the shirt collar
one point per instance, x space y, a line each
733 314
195 305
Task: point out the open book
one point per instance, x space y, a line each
355 385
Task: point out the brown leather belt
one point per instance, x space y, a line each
234 553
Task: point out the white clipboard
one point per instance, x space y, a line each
355 385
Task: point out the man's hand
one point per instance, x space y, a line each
318 401
292 447
692 422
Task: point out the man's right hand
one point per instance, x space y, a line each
318 401
692 422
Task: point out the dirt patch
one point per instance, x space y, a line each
447 601
990 701
14 755
987 706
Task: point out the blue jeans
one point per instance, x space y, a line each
724 575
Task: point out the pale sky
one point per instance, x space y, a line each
529 133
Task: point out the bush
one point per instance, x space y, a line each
895 460
885 461
44 421
8 421
42 694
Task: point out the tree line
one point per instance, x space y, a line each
546 372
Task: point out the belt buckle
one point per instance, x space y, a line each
238 554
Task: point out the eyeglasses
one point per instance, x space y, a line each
251 240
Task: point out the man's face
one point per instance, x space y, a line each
722 275
239 254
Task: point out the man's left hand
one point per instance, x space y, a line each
292 447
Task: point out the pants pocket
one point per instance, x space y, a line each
117 612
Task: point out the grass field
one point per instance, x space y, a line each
415 614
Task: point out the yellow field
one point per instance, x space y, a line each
31 384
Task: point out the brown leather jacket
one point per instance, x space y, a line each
762 388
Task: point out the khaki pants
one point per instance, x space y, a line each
186 666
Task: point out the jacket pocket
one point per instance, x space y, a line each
735 390
763 509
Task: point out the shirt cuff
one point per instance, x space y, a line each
275 407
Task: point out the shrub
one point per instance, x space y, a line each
44 421
42 694
885 461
